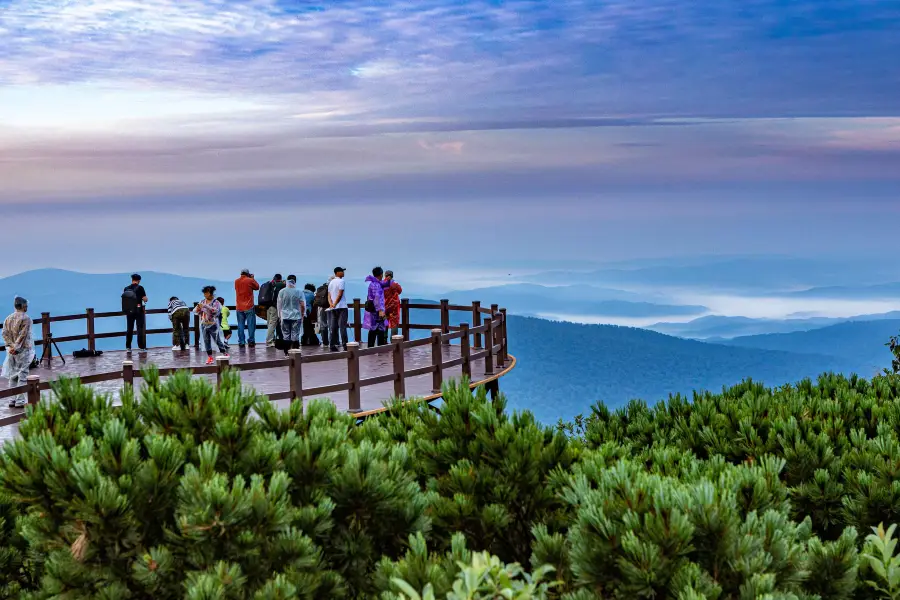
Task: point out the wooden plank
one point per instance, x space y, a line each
325 389
376 380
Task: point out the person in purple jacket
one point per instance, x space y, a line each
374 321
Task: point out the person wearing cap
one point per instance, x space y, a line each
291 307
19 349
337 303
244 286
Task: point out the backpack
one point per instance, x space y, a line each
129 301
321 299
267 294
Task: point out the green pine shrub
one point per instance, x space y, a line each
186 491
488 471
838 438
186 494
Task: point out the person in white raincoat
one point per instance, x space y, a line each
19 349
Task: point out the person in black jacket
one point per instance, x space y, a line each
134 304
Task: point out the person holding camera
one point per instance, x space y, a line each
244 286
19 349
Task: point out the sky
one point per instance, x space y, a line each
197 136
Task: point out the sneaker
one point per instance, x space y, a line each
12 403
334 349
225 355
252 344
142 349
210 360
175 348
240 345
22 403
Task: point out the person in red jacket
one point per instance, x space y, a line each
392 291
244 286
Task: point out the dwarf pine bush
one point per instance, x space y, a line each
183 490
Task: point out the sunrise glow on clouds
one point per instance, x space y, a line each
105 97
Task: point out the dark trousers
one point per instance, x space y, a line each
309 332
377 337
337 326
181 325
139 319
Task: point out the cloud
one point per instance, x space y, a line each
119 96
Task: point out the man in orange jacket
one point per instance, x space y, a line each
244 286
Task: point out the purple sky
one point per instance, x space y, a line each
602 130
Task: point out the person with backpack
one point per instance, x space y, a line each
210 311
134 303
309 331
268 297
320 302
19 343
244 286
180 315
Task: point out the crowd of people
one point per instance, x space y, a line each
295 317
311 316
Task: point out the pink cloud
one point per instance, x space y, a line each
447 147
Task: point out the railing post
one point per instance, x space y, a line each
357 320
404 318
92 341
445 319
399 367
196 328
504 338
46 351
488 339
464 351
353 395
34 389
221 366
476 321
437 377
128 372
296 373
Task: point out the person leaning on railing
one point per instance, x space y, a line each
19 349
180 315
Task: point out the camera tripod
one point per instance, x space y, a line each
49 345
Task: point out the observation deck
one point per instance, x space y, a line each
359 380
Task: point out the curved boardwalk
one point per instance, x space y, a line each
359 381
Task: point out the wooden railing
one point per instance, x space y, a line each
486 339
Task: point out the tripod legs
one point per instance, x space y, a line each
49 345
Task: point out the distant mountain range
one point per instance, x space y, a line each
565 367
747 274
532 300
717 327
859 343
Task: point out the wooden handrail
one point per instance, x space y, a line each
492 330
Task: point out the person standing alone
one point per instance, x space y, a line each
244 286
19 349
210 312
337 303
134 303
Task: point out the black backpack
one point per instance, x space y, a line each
267 294
129 301
321 299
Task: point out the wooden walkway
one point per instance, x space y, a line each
268 381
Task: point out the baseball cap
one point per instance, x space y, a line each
245 271
339 269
